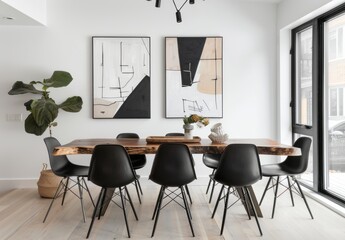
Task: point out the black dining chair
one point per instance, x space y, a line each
212 161
239 168
290 168
172 167
110 168
177 134
62 167
138 161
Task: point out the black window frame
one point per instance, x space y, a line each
316 130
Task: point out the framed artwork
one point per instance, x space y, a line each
194 76
121 77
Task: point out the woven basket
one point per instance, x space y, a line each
47 183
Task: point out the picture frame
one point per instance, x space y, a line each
121 73
194 76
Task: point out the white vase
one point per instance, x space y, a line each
188 131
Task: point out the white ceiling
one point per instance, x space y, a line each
271 1
12 16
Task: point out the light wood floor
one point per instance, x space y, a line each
22 212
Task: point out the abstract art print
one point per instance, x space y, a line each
194 76
121 77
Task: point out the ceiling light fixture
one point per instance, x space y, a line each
8 18
178 9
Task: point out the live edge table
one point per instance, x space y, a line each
141 146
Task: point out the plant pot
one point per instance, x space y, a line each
188 131
47 183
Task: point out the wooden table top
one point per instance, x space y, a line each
140 146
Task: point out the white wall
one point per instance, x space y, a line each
33 53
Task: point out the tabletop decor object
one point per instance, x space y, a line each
44 110
171 139
217 135
188 127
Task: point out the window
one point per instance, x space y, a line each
304 94
302 86
318 82
336 102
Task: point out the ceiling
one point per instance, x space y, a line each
12 16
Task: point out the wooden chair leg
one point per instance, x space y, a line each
81 197
266 188
160 200
157 202
130 201
275 197
57 193
290 190
124 211
225 210
210 180
187 210
246 203
187 191
305 200
253 208
88 191
137 189
213 185
95 211
218 199
65 191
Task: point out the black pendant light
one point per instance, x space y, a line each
178 17
178 10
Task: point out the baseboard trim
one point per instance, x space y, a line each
10 184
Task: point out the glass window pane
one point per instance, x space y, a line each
334 120
304 77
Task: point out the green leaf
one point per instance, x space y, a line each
72 104
21 88
32 127
28 105
44 111
58 79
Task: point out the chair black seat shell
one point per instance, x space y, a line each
111 167
211 161
239 167
62 167
172 167
138 161
292 166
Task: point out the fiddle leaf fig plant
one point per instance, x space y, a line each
44 110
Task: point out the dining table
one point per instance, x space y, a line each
200 146
196 145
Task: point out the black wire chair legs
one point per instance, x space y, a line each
64 187
247 199
290 188
99 206
172 195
